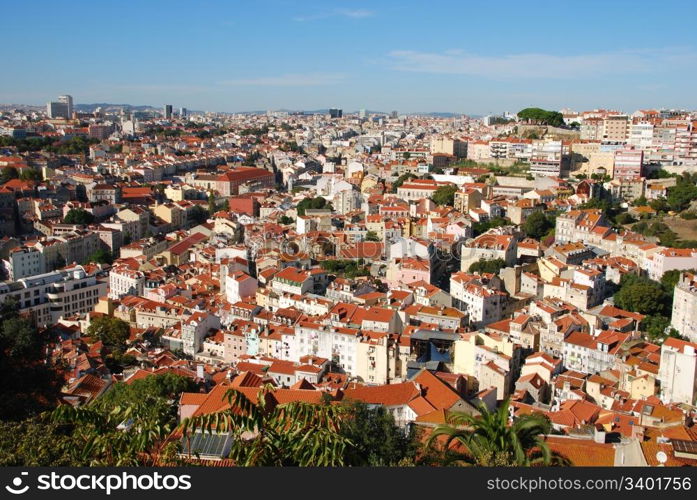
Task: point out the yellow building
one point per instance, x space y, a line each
170 212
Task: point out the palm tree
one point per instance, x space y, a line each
489 440
266 433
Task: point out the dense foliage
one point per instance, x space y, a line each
542 116
489 440
313 203
267 434
651 298
348 268
487 266
112 332
445 195
537 225
482 227
101 256
30 385
372 236
375 438
401 180
78 216
72 146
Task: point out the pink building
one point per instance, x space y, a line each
408 270
628 164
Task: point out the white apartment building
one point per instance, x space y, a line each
588 354
23 262
678 371
684 317
472 295
238 285
580 225
125 281
489 246
337 344
670 259
195 328
641 135
57 294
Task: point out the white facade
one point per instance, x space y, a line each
678 371
54 295
684 316
24 262
125 281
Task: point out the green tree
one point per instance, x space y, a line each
655 326
269 434
445 195
34 443
624 218
482 227
376 440
144 407
8 173
101 256
401 180
537 225
492 266
542 116
640 201
489 439
316 203
670 279
660 205
78 216
198 215
372 236
642 295
113 332
30 174
32 385
285 220
680 196
212 207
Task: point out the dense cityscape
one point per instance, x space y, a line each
347 287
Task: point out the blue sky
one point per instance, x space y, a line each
460 56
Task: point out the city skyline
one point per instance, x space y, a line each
384 56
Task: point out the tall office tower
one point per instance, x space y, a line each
57 110
183 112
362 114
335 113
168 111
394 114
68 101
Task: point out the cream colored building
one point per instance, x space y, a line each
377 359
616 128
475 349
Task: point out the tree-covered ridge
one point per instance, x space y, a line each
542 116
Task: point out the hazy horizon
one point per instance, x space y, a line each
407 56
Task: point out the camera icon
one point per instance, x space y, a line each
16 487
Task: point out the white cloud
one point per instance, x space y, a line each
538 65
349 13
289 80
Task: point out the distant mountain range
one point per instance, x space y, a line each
106 106
89 108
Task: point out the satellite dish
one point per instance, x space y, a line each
662 458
